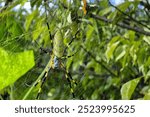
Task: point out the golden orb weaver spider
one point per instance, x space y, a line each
56 56
55 62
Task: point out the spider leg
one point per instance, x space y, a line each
74 37
70 80
69 74
42 83
71 88
68 56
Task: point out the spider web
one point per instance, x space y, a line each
56 86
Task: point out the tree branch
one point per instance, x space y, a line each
136 29
6 5
130 17
99 62
146 5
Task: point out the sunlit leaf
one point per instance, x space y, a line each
123 6
110 50
14 65
121 53
105 11
128 88
147 39
69 18
147 96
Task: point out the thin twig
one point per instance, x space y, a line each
146 5
99 62
136 29
6 5
131 18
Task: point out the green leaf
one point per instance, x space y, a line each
69 18
105 11
15 29
74 27
121 52
147 96
131 35
128 88
89 32
124 6
35 2
39 29
147 39
14 65
147 76
2 29
29 19
111 48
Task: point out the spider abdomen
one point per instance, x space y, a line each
58 44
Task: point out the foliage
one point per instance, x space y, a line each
110 47
14 65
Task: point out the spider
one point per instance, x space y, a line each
55 62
